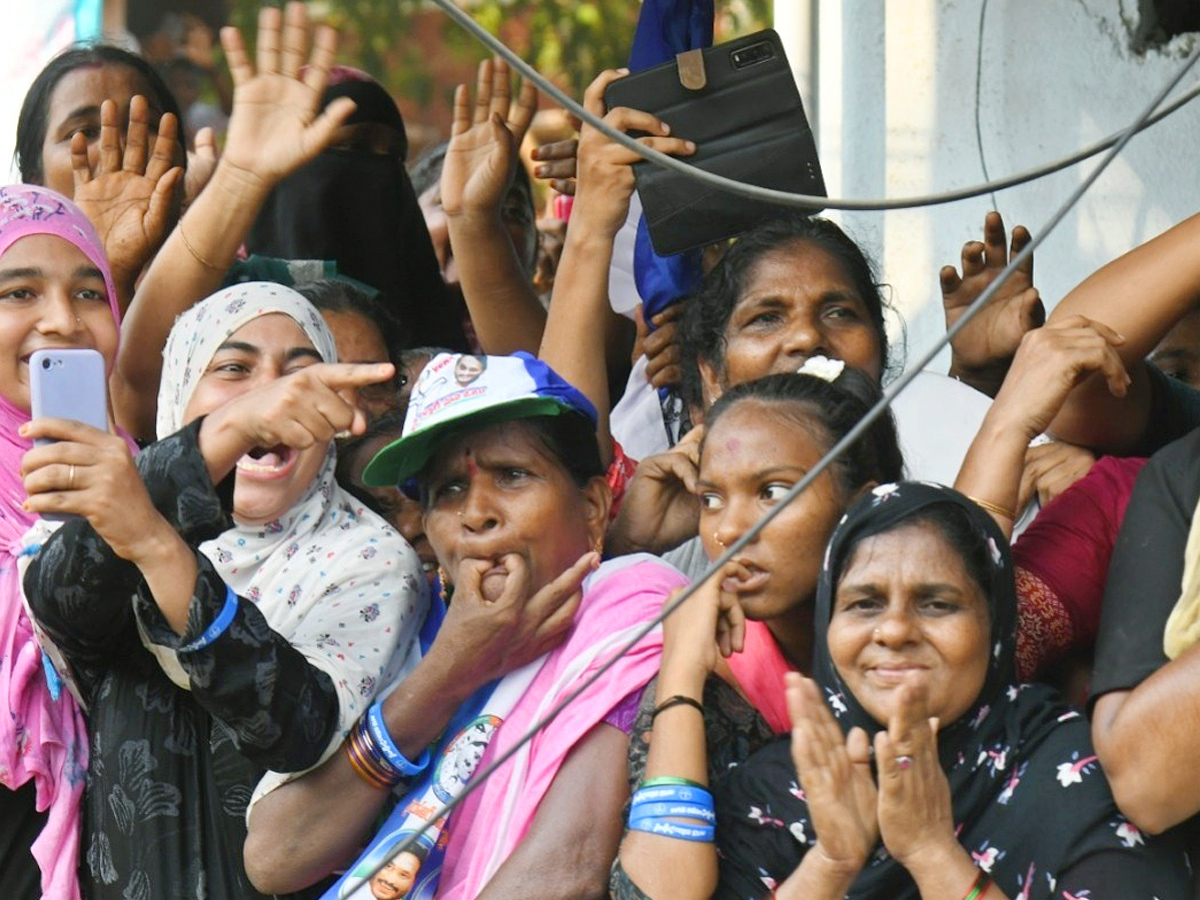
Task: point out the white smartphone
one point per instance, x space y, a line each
69 384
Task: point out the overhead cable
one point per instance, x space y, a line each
889 395
786 198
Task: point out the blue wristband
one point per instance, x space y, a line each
702 834
673 810
219 625
673 793
383 740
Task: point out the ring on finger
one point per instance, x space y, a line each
904 762
71 477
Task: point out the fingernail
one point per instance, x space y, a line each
624 70
666 129
690 146
23 430
542 171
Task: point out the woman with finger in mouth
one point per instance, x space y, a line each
516 506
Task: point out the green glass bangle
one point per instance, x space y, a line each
671 779
981 884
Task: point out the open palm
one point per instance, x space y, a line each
277 124
128 195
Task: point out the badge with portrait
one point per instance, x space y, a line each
383 871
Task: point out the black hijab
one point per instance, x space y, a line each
359 210
1030 801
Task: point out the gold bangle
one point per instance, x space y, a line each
994 508
192 250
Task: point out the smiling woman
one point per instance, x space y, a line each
55 292
269 605
65 99
975 785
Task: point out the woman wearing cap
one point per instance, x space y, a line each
509 476
916 767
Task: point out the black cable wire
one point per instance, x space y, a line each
769 195
983 166
836 451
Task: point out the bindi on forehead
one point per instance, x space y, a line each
472 466
733 445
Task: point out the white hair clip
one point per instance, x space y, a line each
822 367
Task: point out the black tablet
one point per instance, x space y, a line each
739 104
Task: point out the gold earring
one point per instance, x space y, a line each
443 583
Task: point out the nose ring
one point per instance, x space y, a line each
717 540
875 634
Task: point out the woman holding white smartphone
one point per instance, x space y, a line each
55 293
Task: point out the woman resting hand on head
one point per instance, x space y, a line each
762 438
267 605
916 766
55 293
515 506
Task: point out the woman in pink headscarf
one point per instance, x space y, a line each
55 292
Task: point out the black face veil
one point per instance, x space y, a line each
358 209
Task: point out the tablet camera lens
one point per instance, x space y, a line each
45 364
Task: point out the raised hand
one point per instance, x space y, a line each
276 125
482 156
558 162
660 510
202 162
130 194
981 352
605 177
835 773
915 815
659 346
1051 361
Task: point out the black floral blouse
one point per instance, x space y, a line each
172 770
733 729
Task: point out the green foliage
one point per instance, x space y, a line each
568 40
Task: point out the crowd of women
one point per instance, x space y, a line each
359 543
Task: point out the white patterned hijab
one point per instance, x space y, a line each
330 576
